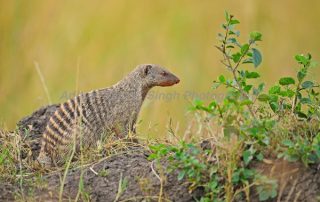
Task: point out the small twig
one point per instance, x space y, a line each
154 172
160 179
292 189
93 171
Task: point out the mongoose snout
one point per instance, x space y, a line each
170 80
83 119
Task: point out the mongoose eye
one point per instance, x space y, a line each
164 73
147 69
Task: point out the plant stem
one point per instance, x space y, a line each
234 69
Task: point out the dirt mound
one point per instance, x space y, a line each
130 176
295 181
101 181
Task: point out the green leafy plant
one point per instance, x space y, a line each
193 164
282 121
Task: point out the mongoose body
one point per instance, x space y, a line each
110 110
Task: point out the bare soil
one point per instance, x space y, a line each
139 176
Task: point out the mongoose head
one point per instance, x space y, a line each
155 75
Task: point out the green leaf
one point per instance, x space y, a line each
255 36
247 88
212 185
290 93
273 98
181 175
274 89
247 156
246 102
236 177
285 81
257 57
263 97
305 101
307 84
248 173
259 156
237 33
301 74
222 79
252 75
274 106
229 46
197 102
264 195
302 59
212 105
302 115
232 40
288 143
233 22
227 16
236 57
244 49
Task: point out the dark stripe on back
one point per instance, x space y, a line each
52 136
99 111
104 105
64 117
102 108
75 107
86 124
78 111
48 139
78 100
68 109
73 103
59 123
78 105
56 131
89 104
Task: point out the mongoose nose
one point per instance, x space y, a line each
177 81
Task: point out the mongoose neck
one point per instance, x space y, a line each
133 83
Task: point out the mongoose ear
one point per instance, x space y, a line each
147 69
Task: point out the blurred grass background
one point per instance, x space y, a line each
107 39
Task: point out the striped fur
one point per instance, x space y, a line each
88 115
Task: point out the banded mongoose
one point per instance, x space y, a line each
109 110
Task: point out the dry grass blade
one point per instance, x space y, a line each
45 88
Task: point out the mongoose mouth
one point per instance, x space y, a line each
171 82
